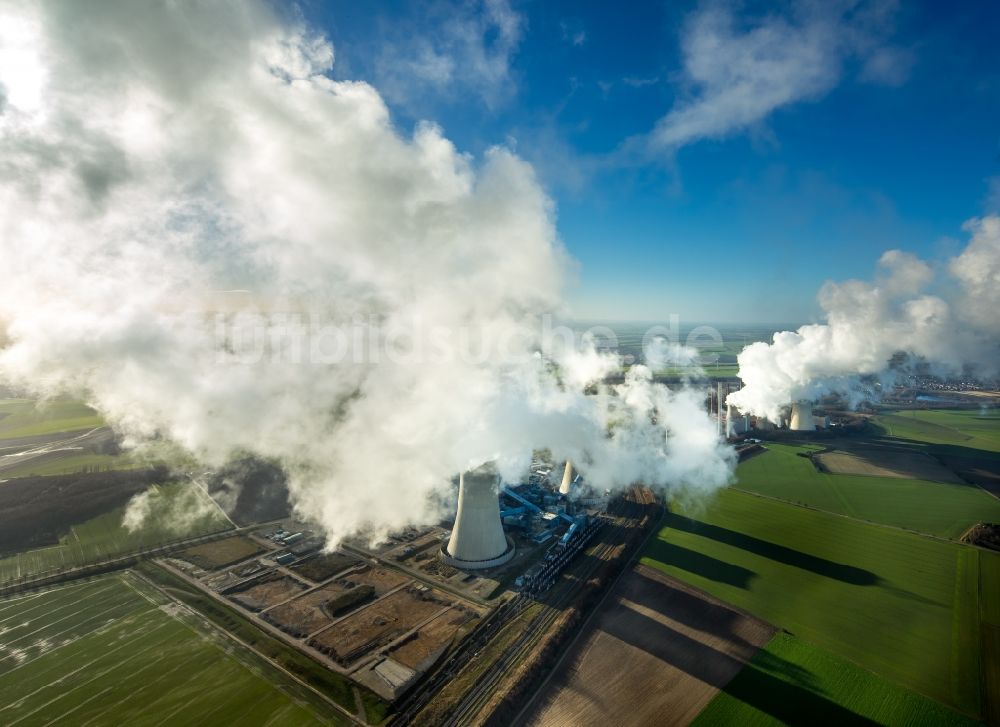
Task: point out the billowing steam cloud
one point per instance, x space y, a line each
379 329
954 328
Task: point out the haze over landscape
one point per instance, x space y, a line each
659 285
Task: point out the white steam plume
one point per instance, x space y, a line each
955 327
152 153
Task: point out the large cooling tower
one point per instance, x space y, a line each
802 417
567 479
477 540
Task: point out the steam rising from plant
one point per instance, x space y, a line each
947 321
156 154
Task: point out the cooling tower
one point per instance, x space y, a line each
735 424
477 540
567 479
802 417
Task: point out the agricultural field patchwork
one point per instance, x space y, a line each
659 653
114 650
989 612
972 428
901 605
936 508
27 418
171 511
792 682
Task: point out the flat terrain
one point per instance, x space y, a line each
265 592
882 462
901 605
431 639
658 654
175 511
989 613
972 428
306 615
114 651
20 418
324 565
378 624
936 508
220 552
792 682
57 437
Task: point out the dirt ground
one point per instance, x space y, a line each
382 579
884 462
305 615
657 654
433 637
377 625
266 593
210 556
320 567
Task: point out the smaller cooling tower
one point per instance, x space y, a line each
802 417
477 540
735 424
567 479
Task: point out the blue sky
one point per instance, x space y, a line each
714 160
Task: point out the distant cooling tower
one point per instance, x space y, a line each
735 423
567 479
478 540
802 417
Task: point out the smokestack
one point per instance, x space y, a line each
802 417
478 540
567 479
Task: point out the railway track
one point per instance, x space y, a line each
473 702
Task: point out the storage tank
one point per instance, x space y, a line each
478 540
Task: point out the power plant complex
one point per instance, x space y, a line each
797 416
535 511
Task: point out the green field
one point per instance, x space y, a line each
989 612
113 651
332 684
947 510
66 465
899 604
965 427
28 418
792 682
175 511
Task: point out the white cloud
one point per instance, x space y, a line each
640 82
176 150
866 323
735 74
464 48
